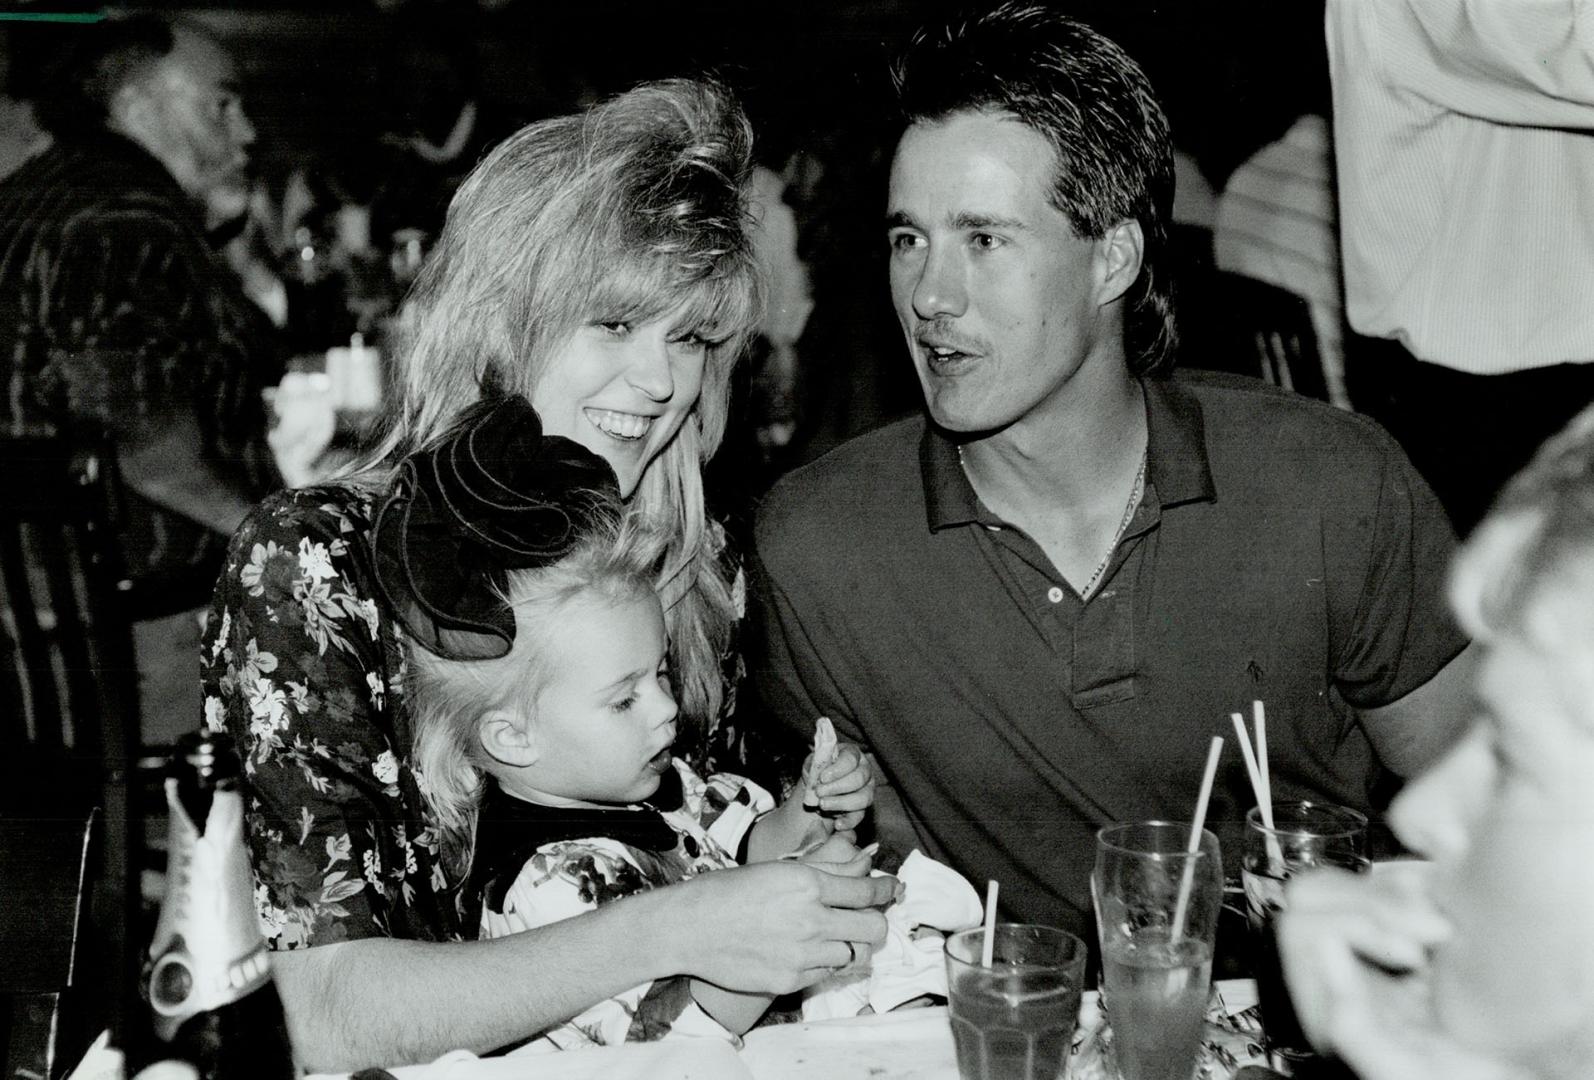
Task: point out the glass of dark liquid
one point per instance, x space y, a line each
1303 835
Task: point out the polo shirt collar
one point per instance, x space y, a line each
1176 444
1176 460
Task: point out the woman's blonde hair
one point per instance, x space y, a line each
614 563
629 211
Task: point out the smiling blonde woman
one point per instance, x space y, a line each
599 267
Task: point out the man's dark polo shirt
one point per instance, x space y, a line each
1283 550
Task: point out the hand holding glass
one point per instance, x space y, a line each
1304 835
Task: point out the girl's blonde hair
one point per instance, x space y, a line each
629 211
613 564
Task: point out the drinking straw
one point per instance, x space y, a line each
1260 788
1187 879
1263 803
988 953
1259 719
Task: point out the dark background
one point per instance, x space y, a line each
325 82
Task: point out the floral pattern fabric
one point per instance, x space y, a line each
305 669
304 666
570 876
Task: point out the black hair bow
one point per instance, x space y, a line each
491 495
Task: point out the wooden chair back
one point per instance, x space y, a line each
68 681
51 1005
1275 327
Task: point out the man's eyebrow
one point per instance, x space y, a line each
964 220
969 219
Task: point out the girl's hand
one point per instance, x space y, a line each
840 791
839 854
836 803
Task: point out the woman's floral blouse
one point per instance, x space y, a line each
304 666
305 669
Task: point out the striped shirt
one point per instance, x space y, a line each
1466 177
115 315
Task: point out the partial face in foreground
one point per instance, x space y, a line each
623 390
1508 820
1000 302
604 721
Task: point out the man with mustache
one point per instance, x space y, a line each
1037 604
118 319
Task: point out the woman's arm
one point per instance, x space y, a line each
771 929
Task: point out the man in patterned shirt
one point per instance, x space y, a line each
118 318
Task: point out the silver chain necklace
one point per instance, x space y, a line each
1135 493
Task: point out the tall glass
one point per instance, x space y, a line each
1015 1019
1156 974
1304 835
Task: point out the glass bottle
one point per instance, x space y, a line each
208 979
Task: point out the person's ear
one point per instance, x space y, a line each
1119 254
131 111
508 738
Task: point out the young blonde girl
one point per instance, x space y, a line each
553 771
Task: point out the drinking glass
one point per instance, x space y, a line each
1015 1019
1155 974
1304 835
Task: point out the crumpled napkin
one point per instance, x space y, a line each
906 965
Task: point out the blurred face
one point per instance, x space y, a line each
998 299
622 390
604 722
1508 819
198 128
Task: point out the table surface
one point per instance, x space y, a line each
910 1044
917 1043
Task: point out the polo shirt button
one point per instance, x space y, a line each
1054 594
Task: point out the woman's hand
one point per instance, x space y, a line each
1355 954
776 927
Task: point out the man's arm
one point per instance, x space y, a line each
169 467
1417 730
772 928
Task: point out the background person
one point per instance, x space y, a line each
597 265
1479 968
1037 604
1464 137
117 317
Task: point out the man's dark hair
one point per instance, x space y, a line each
1094 105
77 89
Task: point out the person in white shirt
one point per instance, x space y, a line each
1466 169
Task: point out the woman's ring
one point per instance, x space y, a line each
852 954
